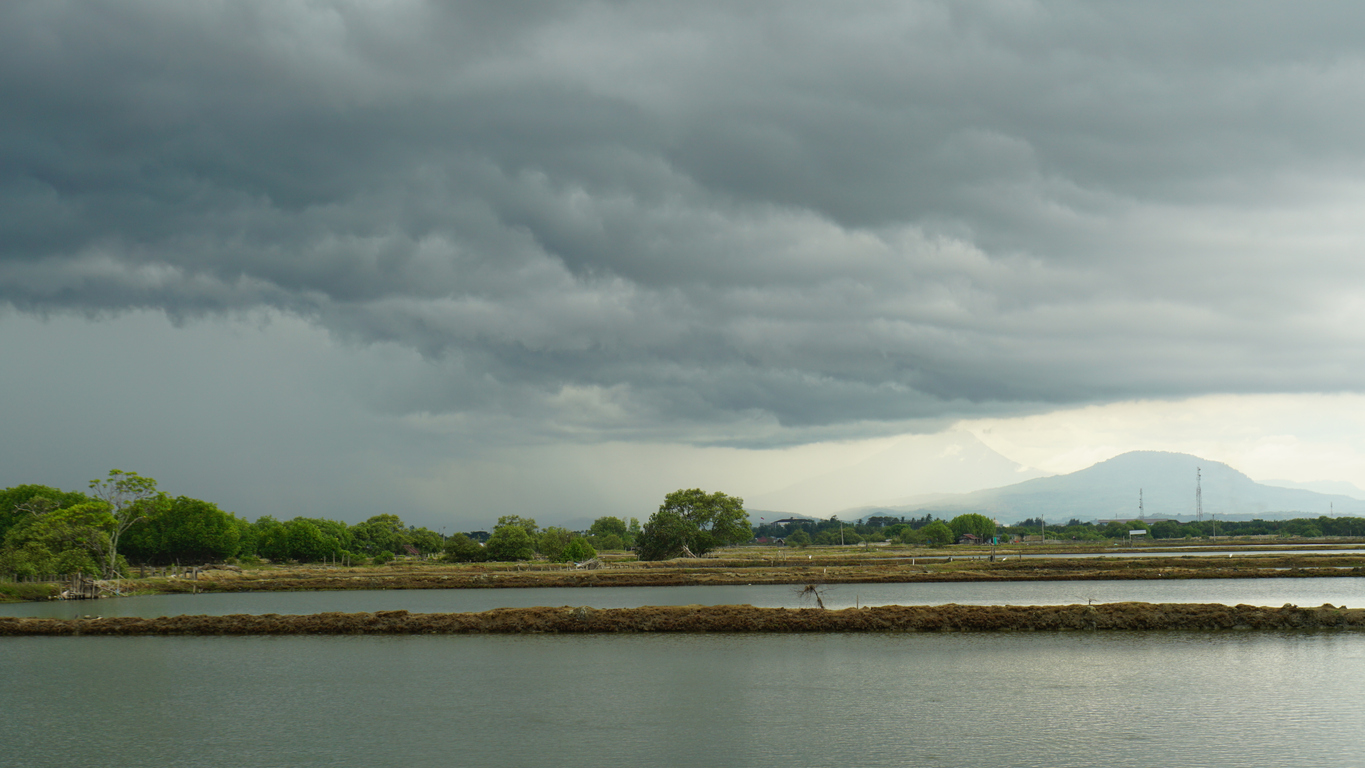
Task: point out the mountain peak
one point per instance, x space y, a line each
1165 482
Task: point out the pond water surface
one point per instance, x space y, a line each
1217 699
1344 590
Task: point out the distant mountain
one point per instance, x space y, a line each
916 469
1110 489
1332 487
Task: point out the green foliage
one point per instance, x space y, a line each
798 538
696 520
381 533
978 525
935 534
609 543
604 527
23 500
459 548
576 551
272 541
425 541
552 541
383 558
128 495
61 541
1114 530
526 523
836 536
29 560
306 542
182 530
510 542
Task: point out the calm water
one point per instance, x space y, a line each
1346 590
1120 699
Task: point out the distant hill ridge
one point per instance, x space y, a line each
1110 489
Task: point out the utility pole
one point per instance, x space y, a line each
1140 510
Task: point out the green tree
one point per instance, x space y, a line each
577 551
22 500
272 541
1115 531
603 527
59 540
696 521
425 541
935 534
552 541
381 533
127 494
978 525
306 542
459 548
528 524
510 542
609 543
182 530
798 538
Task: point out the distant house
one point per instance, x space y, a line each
412 550
969 538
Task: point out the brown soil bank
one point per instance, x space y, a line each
725 618
741 572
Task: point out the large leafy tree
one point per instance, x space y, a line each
128 495
510 542
552 541
696 521
21 501
978 525
67 540
183 530
381 533
460 548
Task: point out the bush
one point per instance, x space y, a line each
577 551
608 543
459 548
510 542
934 534
383 558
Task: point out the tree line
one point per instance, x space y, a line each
926 530
124 519
1302 527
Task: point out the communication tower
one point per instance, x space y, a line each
1198 494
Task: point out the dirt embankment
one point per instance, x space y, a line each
740 572
725 618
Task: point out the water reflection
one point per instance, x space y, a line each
1077 699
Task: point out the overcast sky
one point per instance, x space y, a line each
462 259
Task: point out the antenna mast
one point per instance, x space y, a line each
1198 494
1140 505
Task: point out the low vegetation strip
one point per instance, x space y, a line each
725 618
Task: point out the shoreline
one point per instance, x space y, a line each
719 619
730 570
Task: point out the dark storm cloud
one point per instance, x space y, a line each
652 214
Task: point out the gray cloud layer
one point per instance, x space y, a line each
618 217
